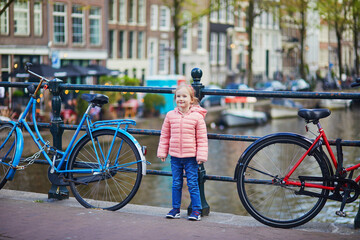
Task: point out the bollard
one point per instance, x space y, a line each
196 74
56 192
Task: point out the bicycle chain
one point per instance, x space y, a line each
32 159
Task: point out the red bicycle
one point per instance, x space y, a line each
285 179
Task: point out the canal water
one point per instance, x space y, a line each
223 156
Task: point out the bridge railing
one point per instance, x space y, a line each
57 125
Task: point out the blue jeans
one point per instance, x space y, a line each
191 169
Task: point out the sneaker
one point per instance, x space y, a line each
174 213
195 216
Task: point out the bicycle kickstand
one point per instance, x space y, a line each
347 190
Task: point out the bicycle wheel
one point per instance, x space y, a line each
265 197
117 183
7 151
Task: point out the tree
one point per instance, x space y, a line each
355 26
253 9
337 14
183 13
297 10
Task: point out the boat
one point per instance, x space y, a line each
240 112
334 104
284 108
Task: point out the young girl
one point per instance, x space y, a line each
184 137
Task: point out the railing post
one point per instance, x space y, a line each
357 219
56 192
196 74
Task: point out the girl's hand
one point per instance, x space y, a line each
163 159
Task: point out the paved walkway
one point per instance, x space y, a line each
25 215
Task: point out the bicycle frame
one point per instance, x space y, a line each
322 136
92 127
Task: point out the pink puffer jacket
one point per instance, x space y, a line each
184 135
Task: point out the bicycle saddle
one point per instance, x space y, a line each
98 99
313 114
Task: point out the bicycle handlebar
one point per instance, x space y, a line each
42 79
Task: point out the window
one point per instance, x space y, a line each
77 17
140 48
111 44
222 48
240 19
4 20
214 13
38 19
164 18
163 60
154 17
121 44
186 30
122 11
59 15
222 11
230 13
142 12
21 18
213 48
132 12
201 34
131 44
112 10
95 26
184 39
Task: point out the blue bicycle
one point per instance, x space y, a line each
103 168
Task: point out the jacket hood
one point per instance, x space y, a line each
195 108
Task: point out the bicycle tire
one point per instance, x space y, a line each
7 152
113 188
277 205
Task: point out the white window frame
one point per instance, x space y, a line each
132 45
222 11
163 57
164 20
222 48
4 20
133 12
154 17
122 45
152 55
213 48
201 35
22 14
142 12
95 17
78 16
64 16
230 13
141 45
214 14
38 20
122 11
114 12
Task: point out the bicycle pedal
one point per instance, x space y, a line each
340 213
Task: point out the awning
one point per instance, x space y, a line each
66 71
40 69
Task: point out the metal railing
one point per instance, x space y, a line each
57 125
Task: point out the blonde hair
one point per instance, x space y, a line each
191 91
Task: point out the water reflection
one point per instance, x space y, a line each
223 156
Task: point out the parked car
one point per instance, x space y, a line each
212 100
299 85
271 86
